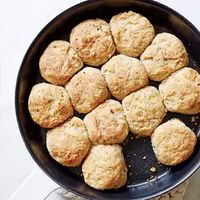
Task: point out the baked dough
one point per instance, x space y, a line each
124 75
181 91
104 167
173 142
165 55
93 41
106 124
68 144
59 62
144 110
87 89
132 33
49 105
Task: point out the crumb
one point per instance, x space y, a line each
151 177
195 124
144 157
134 154
152 169
129 166
197 117
124 143
130 173
131 138
193 119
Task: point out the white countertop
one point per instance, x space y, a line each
21 20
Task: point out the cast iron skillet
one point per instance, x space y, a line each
142 183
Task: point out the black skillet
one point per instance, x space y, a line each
142 183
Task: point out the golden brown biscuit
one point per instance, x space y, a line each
173 142
68 144
105 168
59 62
106 124
165 55
144 110
87 89
93 41
132 33
124 75
181 91
49 105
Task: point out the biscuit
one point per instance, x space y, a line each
144 110
175 194
59 62
106 124
68 144
124 75
181 91
132 33
165 55
105 168
93 41
87 89
49 105
173 142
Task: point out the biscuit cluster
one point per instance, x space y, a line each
104 72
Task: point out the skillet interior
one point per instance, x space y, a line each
142 183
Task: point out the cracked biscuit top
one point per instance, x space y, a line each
68 143
93 41
87 89
59 62
124 75
106 124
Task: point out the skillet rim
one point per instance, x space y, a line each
54 20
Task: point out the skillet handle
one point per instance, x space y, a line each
61 194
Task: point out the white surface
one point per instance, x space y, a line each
35 187
21 20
